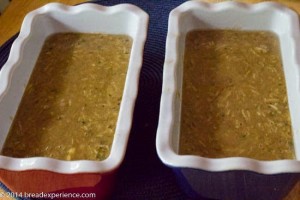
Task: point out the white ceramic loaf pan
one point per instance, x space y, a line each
231 177
31 174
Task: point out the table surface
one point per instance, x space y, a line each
12 17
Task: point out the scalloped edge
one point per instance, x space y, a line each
166 117
129 96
